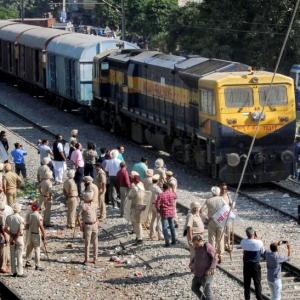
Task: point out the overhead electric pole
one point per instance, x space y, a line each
22 11
123 20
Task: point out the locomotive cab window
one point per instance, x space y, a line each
239 97
104 68
207 102
275 95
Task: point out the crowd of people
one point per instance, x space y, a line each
145 196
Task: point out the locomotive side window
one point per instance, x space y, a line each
104 68
207 102
238 97
275 95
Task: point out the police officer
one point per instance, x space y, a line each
11 181
4 252
35 234
89 226
213 205
43 169
45 188
14 226
71 193
92 188
2 194
101 182
136 194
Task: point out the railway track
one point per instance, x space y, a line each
7 293
278 198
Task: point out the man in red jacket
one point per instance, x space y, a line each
123 184
166 206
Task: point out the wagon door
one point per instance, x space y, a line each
52 73
70 78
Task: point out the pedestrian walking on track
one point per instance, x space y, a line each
203 265
253 251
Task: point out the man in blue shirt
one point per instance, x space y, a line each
274 262
19 160
253 250
141 167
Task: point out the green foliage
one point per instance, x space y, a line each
32 8
146 20
8 13
29 190
247 31
108 15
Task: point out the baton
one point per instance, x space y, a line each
46 252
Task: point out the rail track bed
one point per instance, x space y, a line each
275 195
252 206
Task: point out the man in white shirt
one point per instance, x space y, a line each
112 167
44 150
253 250
59 159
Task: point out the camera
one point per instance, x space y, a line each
283 242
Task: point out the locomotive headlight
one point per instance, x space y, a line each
258 116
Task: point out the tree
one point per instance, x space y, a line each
251 32
32 8
8 13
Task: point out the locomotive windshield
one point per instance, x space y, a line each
238 97
275 95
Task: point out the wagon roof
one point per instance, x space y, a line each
11 32
39 37
76 45
5 23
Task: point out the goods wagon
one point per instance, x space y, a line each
55 61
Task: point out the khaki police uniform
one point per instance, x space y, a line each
71 193
162 175
93 189
229 226
214 231
45 188
4 248
155 225
34 238
136 194
15 226
101 182
173 183
194 222
42 172
90 226
148 185
11 182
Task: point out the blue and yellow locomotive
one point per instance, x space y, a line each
203 111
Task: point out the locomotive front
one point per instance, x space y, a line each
244 98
